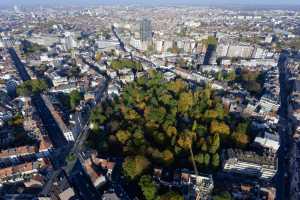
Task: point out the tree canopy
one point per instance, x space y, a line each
222 196
148 187
170 196
74 98
31 87
252 81
163 122
126 63
134 166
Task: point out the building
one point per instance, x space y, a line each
99 170
250 163
269 103
69 41
294 170
268 140
19 172
146 30
18 151
200 186
62 126
58 187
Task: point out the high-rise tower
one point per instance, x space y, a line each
145 30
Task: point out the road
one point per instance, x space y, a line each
281 183
122 45
55 134
280 179
82 183
74 169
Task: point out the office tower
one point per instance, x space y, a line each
146 30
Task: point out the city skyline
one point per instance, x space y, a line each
149 100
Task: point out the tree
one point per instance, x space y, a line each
155 114
206 159
185 139
252 80
222 196
126 63
242 127
123 136
31 87
214 143
163 121
219 127
98 56
231 76
17 120
240 139
171 131
75 98
129 113
171 196
135 166
199 158
185 101
253 86
176 86
211 40
168 157
148 187
215 160
97 118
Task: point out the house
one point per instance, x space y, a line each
269 104
18 172
18 151
99 170
45 144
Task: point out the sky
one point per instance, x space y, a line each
149 2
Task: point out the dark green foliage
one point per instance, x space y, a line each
163 121
211 40
125 63
31 87
252 81
31 48
170 196
75 98
148 187
222 196
135 166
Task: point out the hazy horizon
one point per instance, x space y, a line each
152 2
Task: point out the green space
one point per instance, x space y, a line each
31 87
20 136
74 99
211 40
226 76
222 196
32 48
70 101
155 123
126 63
252 81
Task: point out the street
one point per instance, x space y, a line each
281 183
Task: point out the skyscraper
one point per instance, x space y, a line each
145 30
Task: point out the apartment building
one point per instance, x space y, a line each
250 163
